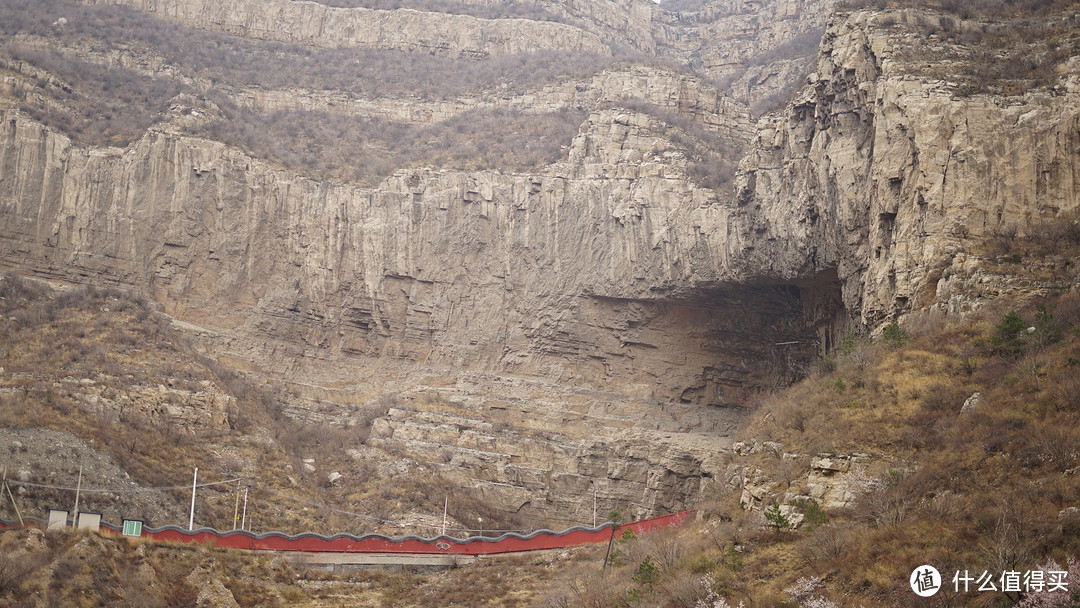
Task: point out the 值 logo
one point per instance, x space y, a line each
925 581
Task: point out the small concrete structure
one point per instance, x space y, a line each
57 519
89 521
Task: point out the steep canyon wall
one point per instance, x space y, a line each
894 179
604 278
592 273
595 324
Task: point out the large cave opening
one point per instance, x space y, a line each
717 346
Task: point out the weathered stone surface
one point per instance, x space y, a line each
886 177
679 92
829 481
611 313
971 403
316 24
544 453
582 273
52 457
730 38
600 273
212 591
757 489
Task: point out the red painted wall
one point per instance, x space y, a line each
372 543
378 544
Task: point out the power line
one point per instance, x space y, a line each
248 483
321 506
360 515
121 490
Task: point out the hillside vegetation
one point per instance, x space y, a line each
1003 47
86 570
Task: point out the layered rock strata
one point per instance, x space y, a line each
608 278
315 24
890 179
590 273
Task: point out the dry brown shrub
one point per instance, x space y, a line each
1067 393
597 591
663 546
1067 311
925 322
824 545
860 361
684 591
1059 446
17 566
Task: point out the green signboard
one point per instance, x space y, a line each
132 527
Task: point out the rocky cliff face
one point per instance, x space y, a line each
595 324
315 24
767 45
891 178
604 272
584 273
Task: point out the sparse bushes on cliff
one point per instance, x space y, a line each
366 150
968 9
1001 47
115 105
1054 236
803 45
106 106
512 9
228 60
711 160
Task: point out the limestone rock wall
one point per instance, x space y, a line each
609 276
543 455
316 24
887 177
678 93
619 22
604 277
764 47
723 39
607 267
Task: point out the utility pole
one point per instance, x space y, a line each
243 520
446 502
78 488
8 488
594 506
236 507
194 482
